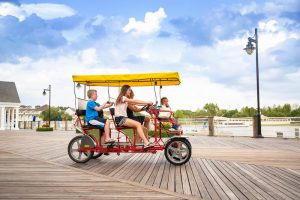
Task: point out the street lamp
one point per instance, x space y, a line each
249 49
44 93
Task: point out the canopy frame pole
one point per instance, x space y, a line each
155 83
75 95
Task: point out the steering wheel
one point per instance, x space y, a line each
145 108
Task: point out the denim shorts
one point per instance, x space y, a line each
120 120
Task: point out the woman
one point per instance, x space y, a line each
121 116
144 120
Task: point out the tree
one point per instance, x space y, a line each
55 113
211 109
179 114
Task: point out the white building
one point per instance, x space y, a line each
9 106
28 114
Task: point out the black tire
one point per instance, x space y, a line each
178 151
82 157
96 155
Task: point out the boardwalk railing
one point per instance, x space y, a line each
57 125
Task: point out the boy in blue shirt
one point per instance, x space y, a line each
92 108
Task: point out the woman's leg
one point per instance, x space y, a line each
145 130
134 124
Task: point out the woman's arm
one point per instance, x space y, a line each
134 101
134 108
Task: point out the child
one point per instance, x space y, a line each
121 117
92 117
167 114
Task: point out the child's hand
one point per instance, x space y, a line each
150 103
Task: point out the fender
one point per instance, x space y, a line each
177 136
87 142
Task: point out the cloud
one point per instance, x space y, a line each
48 10
43 10
30 37
151 23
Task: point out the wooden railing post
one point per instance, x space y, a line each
66 125
296 132
254 125
211 128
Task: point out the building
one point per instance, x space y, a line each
28 114
9 106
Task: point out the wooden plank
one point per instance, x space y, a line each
220 182
160 172
171 182
192 181
139 173
178 181
201 187
238 181
268 189
152 177
209 187
165 176
54 182
272 181
212 181
227 181
287 181
150 169
255 187
185 181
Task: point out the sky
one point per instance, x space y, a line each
46 42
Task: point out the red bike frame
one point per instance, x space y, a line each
130 146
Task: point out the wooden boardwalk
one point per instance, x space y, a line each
26 178
220 168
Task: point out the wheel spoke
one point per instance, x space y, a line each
75 150
79 156
78 144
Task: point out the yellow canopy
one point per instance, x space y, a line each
118 80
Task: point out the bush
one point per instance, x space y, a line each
44 129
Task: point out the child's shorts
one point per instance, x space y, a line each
99 122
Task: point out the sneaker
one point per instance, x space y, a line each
150 144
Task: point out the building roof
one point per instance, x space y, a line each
9 93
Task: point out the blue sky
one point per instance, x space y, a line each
45 42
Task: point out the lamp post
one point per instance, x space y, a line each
249 49
44 93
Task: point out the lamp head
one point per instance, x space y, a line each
249 48
44 93
78 86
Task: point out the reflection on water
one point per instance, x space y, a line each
267 131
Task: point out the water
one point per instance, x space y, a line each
267 131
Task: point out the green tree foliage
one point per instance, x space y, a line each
211 109
55 114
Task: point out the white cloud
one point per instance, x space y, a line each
12 10
150 24
43 10
48 10
89 56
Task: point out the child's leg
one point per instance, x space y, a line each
107 130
